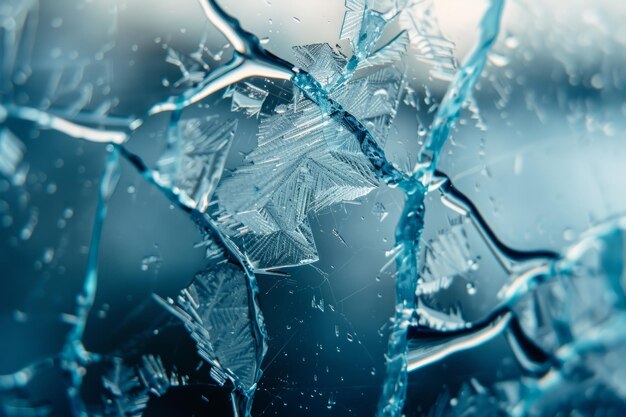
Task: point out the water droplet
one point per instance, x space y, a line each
568 235
597 81
498 60
48 255
511 42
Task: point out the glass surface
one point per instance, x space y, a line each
309 208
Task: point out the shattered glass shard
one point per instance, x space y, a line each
372 27
390 53
195 157
128 389
304 162
446 257
246 98
322 61
566 310
353 17
373 100
417 17
280 247
215 310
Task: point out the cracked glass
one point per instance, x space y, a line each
303 208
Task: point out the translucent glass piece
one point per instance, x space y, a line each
195 160
447 257
129 389
246 98
428 42
390 53
322 61
216 312
373 99
352 20
304 162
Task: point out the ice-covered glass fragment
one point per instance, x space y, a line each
322 61
246 98
215 310
430 45
304 162
129 389
390 53
446 257
195 157
373 99
352 20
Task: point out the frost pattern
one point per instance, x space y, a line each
418 18
563 338
446 257
390 53
128 390
215 311
305 161
195 158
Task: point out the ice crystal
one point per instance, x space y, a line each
388 54
195 158
322 61
304 162
427 41
129 388
246 98
447 257
215 309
